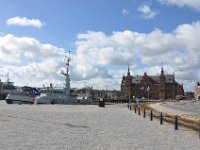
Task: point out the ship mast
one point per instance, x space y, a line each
8 78
67 78
67 62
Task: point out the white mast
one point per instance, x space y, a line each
67 77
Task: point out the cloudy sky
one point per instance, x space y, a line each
104 36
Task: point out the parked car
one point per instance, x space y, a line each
143 99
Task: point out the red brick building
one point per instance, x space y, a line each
153 87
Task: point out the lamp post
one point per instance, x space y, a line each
191 81
174 87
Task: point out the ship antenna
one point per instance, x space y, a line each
8 79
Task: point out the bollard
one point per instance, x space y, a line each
144 114
176 123
161 118
130 106
139 111
101 102
135 109
151 116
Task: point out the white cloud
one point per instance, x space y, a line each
13 48
146 12
125 12
100 59
99 83
195 4
28 60
96 50
174 49
23 21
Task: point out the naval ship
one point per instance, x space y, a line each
46 95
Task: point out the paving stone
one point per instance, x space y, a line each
87 127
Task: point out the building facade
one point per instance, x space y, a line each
152 87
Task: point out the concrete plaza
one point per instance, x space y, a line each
87 127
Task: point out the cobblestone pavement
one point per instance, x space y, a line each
87 127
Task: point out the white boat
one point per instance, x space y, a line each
24 95
54 96
7 87
23 99
19 99
48 95
58 95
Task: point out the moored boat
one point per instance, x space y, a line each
24 95
7 87
59 95
48 95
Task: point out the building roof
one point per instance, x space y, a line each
169 78
137 79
